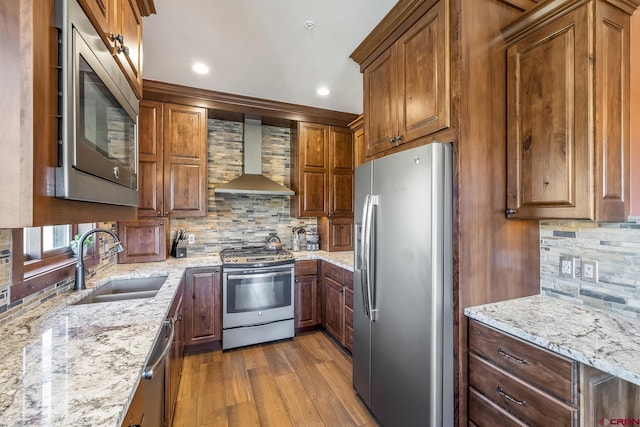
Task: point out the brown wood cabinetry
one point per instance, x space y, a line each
406 88
322 171
119 23
143 241
173 160
337 303
203 306
568 111
28 106
135 413
336 234
516 381
357 127
175 360
306 294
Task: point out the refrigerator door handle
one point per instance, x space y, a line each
364 265
372 201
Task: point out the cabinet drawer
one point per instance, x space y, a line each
306 268
551 372
529 404
483 412
348 338
348 317
348 279
348 298
334 272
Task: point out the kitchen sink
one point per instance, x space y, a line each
125 289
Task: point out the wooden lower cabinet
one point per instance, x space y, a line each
135 413
337 303
173 368
143 241
514 383
203 306
333 297
306 294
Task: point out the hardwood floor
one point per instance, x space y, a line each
301 382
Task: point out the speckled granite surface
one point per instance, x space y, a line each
591 336
79 365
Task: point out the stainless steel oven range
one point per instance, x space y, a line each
257 296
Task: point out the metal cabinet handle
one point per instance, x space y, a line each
119 38
507 356
398 137
392 140
166 213
510 211
147 374
509 398
158 213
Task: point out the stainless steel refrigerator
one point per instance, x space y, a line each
403 298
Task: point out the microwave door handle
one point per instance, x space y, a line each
258 276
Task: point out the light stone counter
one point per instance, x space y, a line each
588 335
341 259
79 365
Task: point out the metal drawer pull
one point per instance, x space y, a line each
509 398
506 355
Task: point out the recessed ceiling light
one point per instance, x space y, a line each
309 25
200 68
323 91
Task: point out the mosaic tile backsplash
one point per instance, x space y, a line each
615 247
234 219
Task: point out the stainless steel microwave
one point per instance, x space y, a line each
97 116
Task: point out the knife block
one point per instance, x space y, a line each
179 252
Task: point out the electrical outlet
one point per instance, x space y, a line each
192 239
567 268
590 271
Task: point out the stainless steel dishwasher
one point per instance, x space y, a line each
153 375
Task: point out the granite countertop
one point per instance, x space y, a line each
588 335
70 365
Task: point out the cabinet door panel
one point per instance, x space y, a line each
204 303
423 85
342 194
306 305
184 188
101 14
334 309
380 100
144 241
150 160
548 109
313 140
341 172
129 24
314 202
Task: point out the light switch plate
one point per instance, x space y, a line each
567 266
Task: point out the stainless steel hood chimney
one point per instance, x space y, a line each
252 181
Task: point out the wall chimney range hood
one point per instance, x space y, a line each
252 181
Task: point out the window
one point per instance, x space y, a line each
48 258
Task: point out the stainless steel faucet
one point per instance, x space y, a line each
79 284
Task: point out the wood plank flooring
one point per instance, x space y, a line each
301 382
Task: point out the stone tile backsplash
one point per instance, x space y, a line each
234 219
615 247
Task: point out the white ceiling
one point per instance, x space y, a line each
260 48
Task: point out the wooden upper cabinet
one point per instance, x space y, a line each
119 24
322 171
150 160
172 161
143 241
185 160
568 112
406 88
357 127
341 180
128 23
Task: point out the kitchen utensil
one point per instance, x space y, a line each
273 243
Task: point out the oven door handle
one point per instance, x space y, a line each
258 276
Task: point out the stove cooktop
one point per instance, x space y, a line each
255 256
